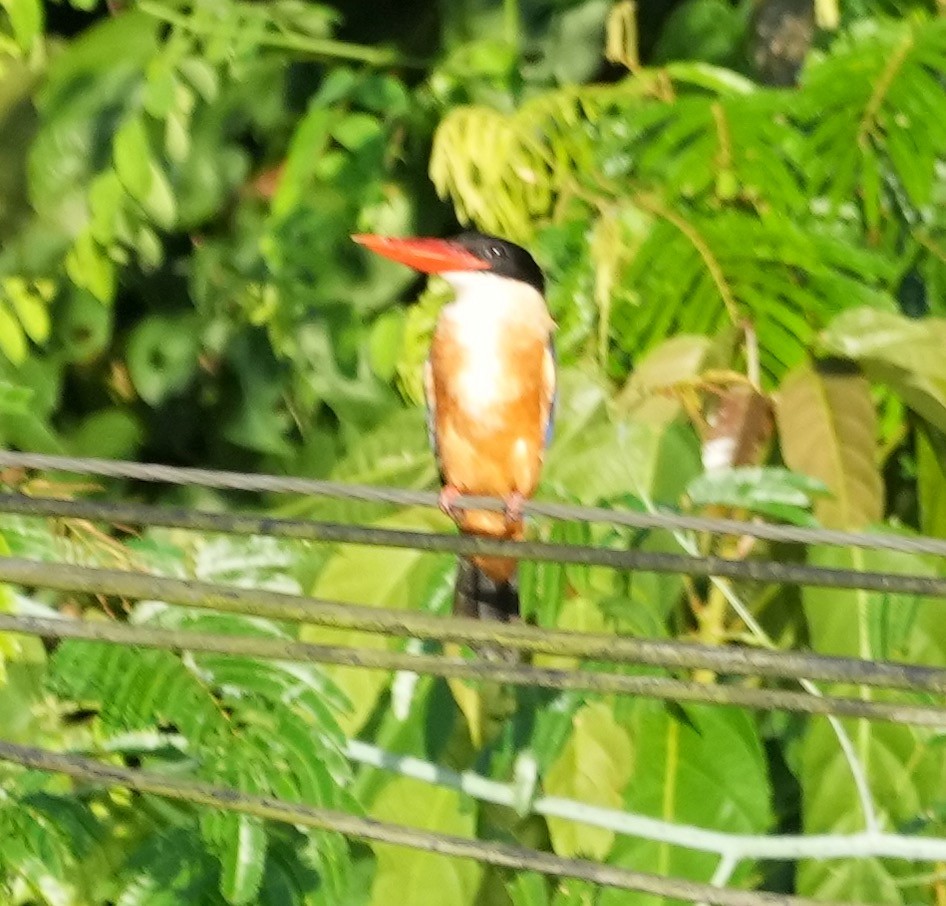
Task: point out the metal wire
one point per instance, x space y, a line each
596 646
769 571
504 855
243 481
479 670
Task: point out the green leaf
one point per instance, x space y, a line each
26 17
90 267
528 889
373 577
30 303
677 360
593 768
384 343
243 859
414 878
133 161
159 201
769 490
906 773
162 356
931 480
12 338
872 334
708 770
827 429
904 353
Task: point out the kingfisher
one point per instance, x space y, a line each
489 381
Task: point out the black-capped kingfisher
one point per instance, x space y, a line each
490 388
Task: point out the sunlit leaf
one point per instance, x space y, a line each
414 878
827 425
593 768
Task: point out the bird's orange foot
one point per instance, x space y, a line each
449 495
513 508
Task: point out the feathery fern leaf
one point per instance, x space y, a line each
260 727
45 838
871 109
697 273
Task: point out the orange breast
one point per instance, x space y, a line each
491 399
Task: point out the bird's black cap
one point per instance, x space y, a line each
503 257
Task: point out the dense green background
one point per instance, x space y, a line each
729 254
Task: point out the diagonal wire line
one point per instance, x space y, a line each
505 855
467 545
479 670
597 646
244 481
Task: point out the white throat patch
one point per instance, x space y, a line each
486 309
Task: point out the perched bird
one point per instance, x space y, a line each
490 387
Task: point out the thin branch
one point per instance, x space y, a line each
729 846
275 605
478 670
471 545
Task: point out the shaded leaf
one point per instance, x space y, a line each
827 428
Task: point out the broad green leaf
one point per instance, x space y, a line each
677 360
593 768
708 770
769 490
904 766
827 430
870 333
375 577
594 457
409 877
905 353
159 201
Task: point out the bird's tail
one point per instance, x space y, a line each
481 595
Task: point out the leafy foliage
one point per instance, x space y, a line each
178 183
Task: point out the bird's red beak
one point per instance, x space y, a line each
430 256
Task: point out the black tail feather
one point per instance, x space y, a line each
477 595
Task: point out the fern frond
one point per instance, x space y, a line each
872 111
698 273
261 727
45 838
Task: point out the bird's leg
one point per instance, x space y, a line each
449 495
513 508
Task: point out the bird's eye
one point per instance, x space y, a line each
495 252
